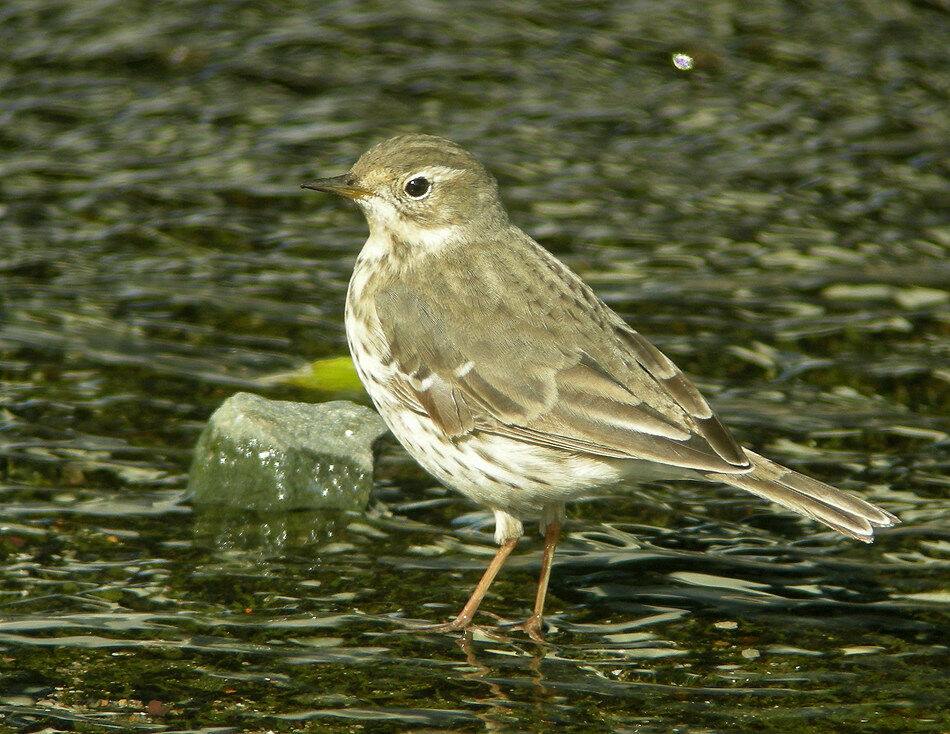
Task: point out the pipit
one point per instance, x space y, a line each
505 376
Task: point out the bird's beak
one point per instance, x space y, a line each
339 185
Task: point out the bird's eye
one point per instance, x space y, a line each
417 187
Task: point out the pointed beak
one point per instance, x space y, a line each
340 185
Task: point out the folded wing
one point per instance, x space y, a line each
553 367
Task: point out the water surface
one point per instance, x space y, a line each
774 219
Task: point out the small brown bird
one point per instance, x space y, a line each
508 379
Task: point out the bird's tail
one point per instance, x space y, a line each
840 510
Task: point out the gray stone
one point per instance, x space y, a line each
269 455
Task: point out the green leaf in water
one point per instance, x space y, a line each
333 375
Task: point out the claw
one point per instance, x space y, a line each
534 627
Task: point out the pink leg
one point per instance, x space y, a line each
464 617
533 625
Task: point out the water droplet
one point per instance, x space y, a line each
683 62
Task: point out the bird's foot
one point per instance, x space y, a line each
456 625
459 624
533 626
452 626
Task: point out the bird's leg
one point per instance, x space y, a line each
464 617
533 624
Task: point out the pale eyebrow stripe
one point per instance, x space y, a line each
440 171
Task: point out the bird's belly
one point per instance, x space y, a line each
501 473
495 471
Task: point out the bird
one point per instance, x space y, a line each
509 380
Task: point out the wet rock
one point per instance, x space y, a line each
268 455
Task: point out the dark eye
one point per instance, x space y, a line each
417 187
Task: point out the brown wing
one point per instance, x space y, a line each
511 342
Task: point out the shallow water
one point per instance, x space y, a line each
775 220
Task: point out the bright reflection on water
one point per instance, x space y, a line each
775 218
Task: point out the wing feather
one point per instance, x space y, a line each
555 368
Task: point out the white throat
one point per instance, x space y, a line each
388 230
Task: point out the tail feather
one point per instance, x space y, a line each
840 510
